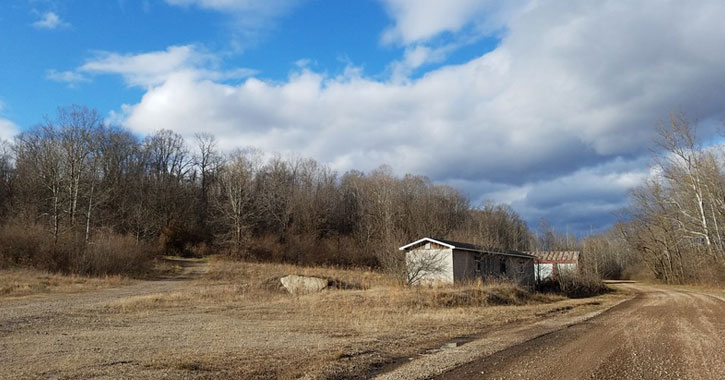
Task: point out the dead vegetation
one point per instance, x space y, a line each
230 319
19 282
108 254
230 282
580 284
332 334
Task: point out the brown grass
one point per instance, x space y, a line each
231 282
354 329
233 322
22 282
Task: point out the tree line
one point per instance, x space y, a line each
674 227
676 221
79 195
76 182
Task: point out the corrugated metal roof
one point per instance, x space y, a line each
556 255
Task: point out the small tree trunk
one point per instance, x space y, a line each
88 214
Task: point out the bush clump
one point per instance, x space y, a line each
106 254
574 285
472 295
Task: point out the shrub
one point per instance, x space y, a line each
307 250
574 285
20 245
114 254
108 253
469 295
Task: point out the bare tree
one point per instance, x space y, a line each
208 162
234 199
39 163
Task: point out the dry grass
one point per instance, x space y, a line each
228 283
225 271
23 282
336 331
233 322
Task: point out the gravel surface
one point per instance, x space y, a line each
663 333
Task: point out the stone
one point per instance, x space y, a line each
300 285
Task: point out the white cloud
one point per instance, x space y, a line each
416 57
69 77
420 20
50 20
151 69
8 129
431 30
542 120
147 69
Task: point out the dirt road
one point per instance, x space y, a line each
661 334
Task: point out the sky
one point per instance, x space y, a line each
548 106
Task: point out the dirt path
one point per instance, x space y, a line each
662 333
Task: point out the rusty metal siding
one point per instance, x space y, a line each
556 256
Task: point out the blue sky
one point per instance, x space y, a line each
331 35
546 106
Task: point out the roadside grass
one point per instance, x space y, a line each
18 282
335 333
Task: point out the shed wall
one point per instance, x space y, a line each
468 266
442 258
464 265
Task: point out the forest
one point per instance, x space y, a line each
80 196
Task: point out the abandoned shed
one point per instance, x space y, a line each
549 264
438 260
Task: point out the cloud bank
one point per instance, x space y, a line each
554 121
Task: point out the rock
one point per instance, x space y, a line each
299 285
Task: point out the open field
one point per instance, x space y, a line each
226 320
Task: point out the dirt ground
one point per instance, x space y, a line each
663 333
206 324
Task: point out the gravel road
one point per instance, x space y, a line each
662 333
